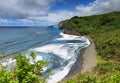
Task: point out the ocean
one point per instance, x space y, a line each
49 44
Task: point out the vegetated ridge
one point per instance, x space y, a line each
104 29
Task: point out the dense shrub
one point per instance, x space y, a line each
23 71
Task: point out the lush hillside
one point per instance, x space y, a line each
105 31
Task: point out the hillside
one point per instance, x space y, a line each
105 31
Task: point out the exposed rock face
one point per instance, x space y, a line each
68 29
61 25
51 26
71 32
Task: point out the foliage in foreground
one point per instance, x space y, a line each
88 78
23 71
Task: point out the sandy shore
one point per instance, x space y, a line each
89 58
86 60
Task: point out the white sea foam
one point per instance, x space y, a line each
9 61
36 59
54 48
59 75
64 49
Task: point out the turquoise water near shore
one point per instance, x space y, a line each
49 44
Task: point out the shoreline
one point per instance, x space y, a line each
77 65
82 63
85 61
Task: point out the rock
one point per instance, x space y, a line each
61 25
51 26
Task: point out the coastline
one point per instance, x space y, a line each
82 63
85 61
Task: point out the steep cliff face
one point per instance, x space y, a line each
68 29
61 25
71 31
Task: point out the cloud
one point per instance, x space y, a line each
96 7
4 21
54 16
37 11
24 8
99 7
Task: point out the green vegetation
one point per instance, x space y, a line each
89 78
105 31
1 55
24 71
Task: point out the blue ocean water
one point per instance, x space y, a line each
49 44
18 39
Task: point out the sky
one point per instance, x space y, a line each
50 12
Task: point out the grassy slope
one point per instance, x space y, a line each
105 31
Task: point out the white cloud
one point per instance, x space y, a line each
54 17
36 11
96 7
4 21
24 8
99 6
